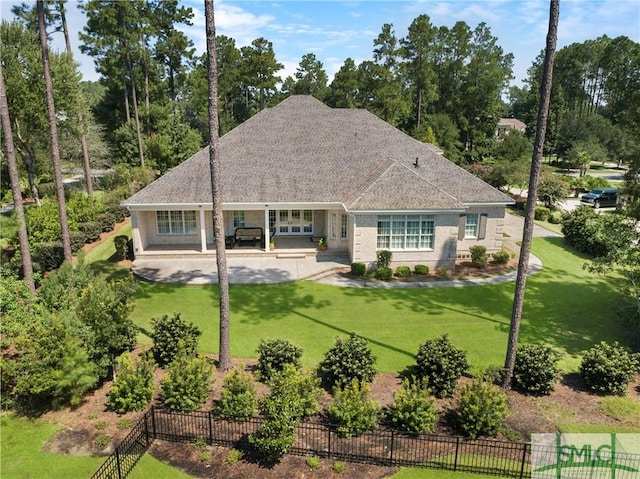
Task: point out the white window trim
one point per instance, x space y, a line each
406 218
193 231
476 226
344 227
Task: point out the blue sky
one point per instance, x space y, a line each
336 30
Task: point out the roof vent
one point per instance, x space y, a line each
415 163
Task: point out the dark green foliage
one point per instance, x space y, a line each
167 332
106 221
82 208
294 396
77 240
542 213
274 355
273 439
91 230
536 369
358 269
346 361
133 387
186 386
49 256
352 410
238 397
384 258
482 409
608 368
119 212
413 409
501 257
121 243
62 288
555 218
597 235
441 364
479 256
403 271
422 269
383 273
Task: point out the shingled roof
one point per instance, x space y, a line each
302 151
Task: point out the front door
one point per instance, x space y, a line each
295 222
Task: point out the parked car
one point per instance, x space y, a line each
601 197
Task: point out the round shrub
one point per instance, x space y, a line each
119 212
186 386
441 364
536 369
273 439
443 271
274 355
482 409
49 256
121 243
542 213
413 409
555 218
106 221
238 397
352 410
422 269
346 361
77 240
383 273
358 269
608 368
479 256
133 387
501 257
383 258
91 230
294 396
403 271
167 334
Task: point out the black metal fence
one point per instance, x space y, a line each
382 446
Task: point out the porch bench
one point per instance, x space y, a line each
249 236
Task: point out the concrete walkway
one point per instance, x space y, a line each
256 270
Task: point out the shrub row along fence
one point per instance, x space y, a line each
380 447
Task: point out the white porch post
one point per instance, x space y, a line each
203 231
267 233
135 234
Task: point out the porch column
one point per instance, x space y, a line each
266 230
203 232
135 234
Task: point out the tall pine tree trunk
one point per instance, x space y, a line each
136 116
55 149
224 362
532 196
25 252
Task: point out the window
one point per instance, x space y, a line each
471 226
398 232
343 227
238 219
176 222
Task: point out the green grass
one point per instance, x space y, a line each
23 457
102 258
415 473
623 409
578 427
564 305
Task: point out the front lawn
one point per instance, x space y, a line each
564 305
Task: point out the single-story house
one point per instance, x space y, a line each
304 171
505 125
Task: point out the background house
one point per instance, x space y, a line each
507 124
304 170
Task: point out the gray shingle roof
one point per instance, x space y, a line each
302 151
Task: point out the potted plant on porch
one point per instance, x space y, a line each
322 243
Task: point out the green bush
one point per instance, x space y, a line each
234 456
238 397
294 395
352 410
346 361
479 256
91 230
273 439
82 208
167 332
186 386
422 269
482 410
403 271
443 271
358 269
77 240
536 369
133 387
121 243
501 257
49 256
119 212
384 258
313 462
542 213
413 409
339 467
555 218
274 355
441 364
106 220
43 223
608 368
383 273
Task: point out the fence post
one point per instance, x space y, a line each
455 461
329 451
153 422
524 458
392 438
210 428
118 463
